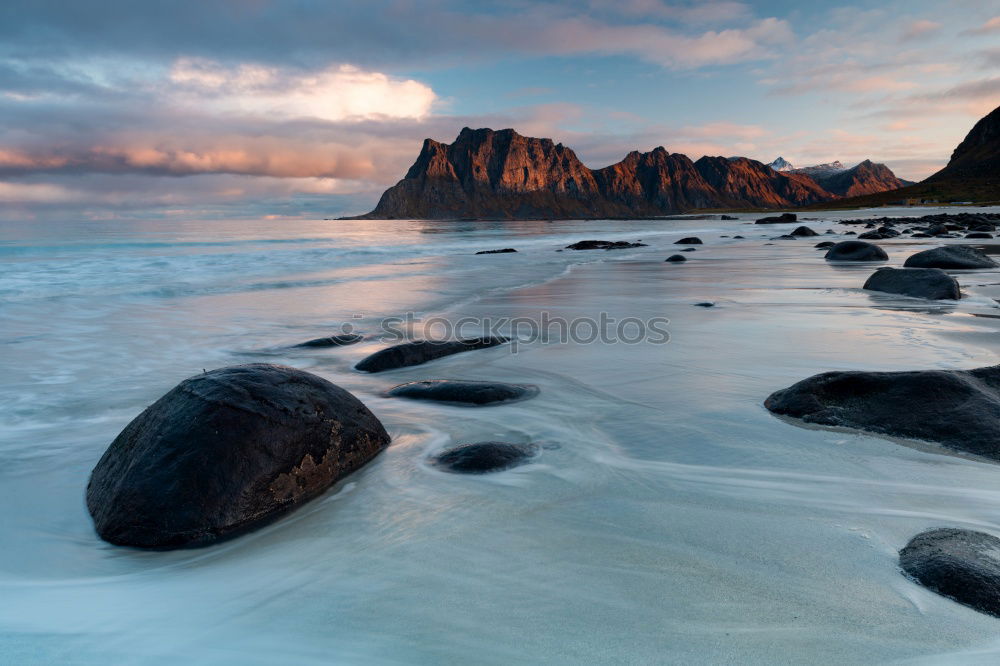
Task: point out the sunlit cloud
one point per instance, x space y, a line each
990 27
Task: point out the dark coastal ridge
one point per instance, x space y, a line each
488 174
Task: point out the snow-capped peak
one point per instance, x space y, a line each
781 164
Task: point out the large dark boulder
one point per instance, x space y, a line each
224 452
855 250
950 257
778 219
603 245
484 457
932 283
959 409
464 392
962 565
332 341
420 351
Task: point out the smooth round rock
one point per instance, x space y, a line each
804 231
962 565
950 257
332 341
226 451
824 244
484 457
855 250
931 283
463 392
690 240
421 351
676 258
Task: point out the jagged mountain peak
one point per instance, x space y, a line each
489 173
781 164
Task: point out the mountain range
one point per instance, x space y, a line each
972 174
504 175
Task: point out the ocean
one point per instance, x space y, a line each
669 518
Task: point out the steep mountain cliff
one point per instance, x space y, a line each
741 182
503 175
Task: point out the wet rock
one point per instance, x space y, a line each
690 240
737 236
690 249
603 245
804 231
333 341
959 409
824 244
950 257
464 392
931 283
855 250
778 219
979 234
484 457
421 351
676 258
506 250
224 452
728 217
962 565
705 304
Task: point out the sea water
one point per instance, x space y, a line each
669 518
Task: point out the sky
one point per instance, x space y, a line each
129 110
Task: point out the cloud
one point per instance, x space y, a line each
334 93
988 28
920 28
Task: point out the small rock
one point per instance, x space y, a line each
705 304
931 283
420 351
778 219
804 231
463 392
332 341
503 251
855 250
603 245
962 565
824 244
676 258
690 240
950 257
484 457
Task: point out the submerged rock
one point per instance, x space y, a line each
464 392
824 244
950 256
705 304
224 452
506 250
778 219
676 258
332 341
690 249
855 250
932 283
962 565
690 240
484 457
959 409
603 245
420 351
